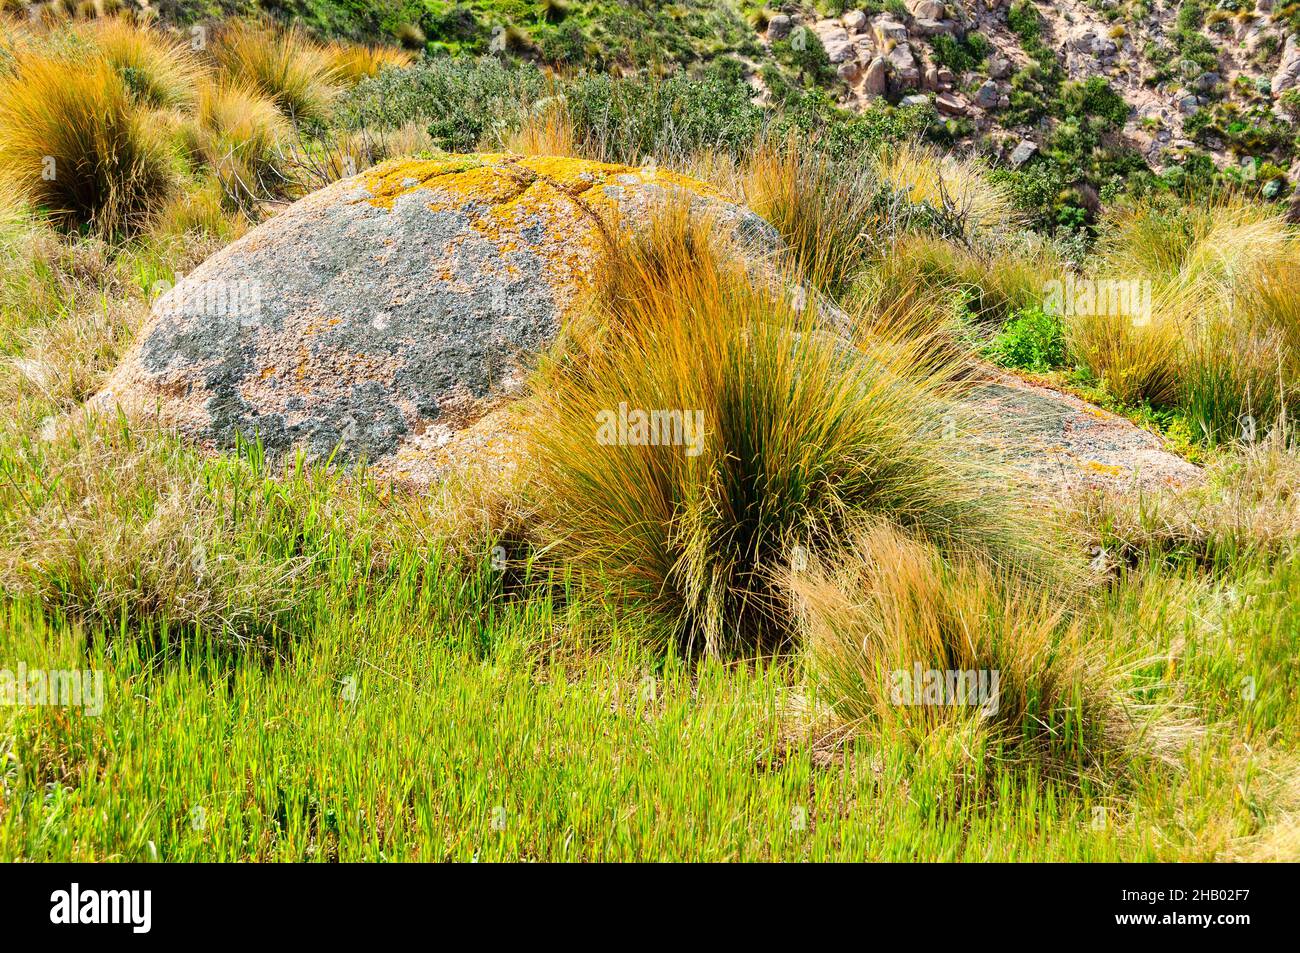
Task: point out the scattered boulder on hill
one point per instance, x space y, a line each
389 311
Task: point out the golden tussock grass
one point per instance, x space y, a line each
825 212
547 131
798 433
73 141
283 64
925 175
160 71
1010 657
243 138
1221 337
352 63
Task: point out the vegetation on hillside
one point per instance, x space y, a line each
636 653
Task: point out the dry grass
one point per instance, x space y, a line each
926 176
201 210
547 131
825 211
158 70
990 284
352 63
315 165
130 530
284 65
243 138
1248 507
888 604
1222 338
64 362
73 141
1136 360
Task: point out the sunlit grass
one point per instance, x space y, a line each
74 141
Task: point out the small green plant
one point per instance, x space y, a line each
1032 340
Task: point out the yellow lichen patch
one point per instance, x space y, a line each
388 181
476 176
556 208
581 175
1105 468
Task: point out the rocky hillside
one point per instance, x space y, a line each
1192 86
1077 99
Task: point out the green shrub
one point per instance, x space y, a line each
627 119
459 99
960 55
1032 340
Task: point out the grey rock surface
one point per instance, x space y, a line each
378 317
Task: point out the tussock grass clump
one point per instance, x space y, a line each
284 65
1221 340
905 640
202 210
351 63
1137 360
159 71
74 142
827 212
316 164
242 137
958 191
786 434
547 130
65 361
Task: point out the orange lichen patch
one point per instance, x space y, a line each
317 325
318 375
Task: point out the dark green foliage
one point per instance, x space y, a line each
805 56
960 55
459 99
626 119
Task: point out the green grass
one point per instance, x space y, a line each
412 722
406 694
